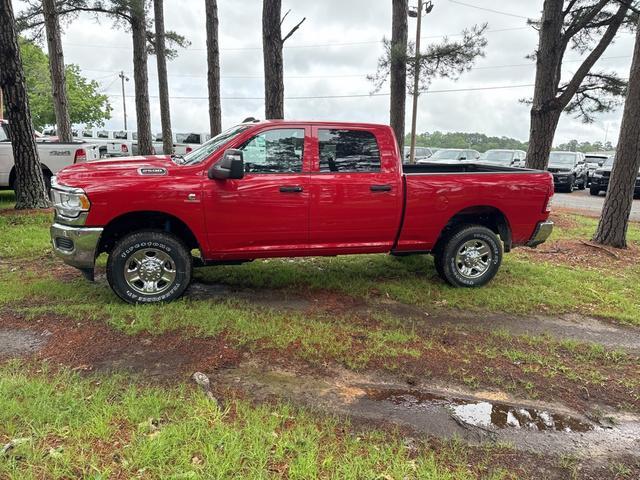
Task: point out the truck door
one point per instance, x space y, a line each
268 210
356 190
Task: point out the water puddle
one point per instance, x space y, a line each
481 413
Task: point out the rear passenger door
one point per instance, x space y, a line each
356 190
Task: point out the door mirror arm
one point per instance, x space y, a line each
230 167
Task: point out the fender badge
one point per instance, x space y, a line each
156 172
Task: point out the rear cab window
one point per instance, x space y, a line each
348 151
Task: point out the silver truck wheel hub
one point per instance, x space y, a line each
150 271
473 259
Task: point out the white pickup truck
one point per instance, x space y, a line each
54 156
125 144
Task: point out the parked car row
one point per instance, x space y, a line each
124 143
570 170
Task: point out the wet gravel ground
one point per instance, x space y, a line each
583 202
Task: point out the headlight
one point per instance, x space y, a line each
69 202
597 173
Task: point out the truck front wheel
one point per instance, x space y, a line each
149 267
469 257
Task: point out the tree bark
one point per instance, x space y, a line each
545 110
549 98
213 67
29 182
163 80
140 76
614 222
273 61
56 67
398 83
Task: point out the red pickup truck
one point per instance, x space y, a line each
288 189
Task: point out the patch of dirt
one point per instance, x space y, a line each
96 347
17 342
584 255
566 222
444 412
12 211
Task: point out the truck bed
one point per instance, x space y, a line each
460 167
435 192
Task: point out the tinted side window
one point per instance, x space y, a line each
348 151
275 151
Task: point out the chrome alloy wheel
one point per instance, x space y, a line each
150 271
473 259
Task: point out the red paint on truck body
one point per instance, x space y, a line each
333 213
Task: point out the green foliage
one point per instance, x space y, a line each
586 147
444 59
482 142
476 141
86 104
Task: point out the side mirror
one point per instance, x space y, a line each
230 167
463 158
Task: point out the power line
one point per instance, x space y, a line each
488 9
359 95
318 45
350 75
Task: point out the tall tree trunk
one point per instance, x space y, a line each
163 80
56 67
399 38
614 222
546 110
140 76
544 122
213 67
29 183
273 61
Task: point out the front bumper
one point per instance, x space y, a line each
602 184
541 234
76 246
561 180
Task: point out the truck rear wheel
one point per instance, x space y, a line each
470 257
149 267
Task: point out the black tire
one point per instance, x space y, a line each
594 191
583 184
453 245
47 180
438 261
163 254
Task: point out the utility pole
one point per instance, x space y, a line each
124 78
417 13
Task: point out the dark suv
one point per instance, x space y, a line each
569 171
600 179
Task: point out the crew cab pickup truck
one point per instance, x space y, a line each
53 156
289 189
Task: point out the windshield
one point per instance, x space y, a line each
608 163
446 155
202 153
563 159
4 135
498 156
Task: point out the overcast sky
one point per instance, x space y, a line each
330 55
